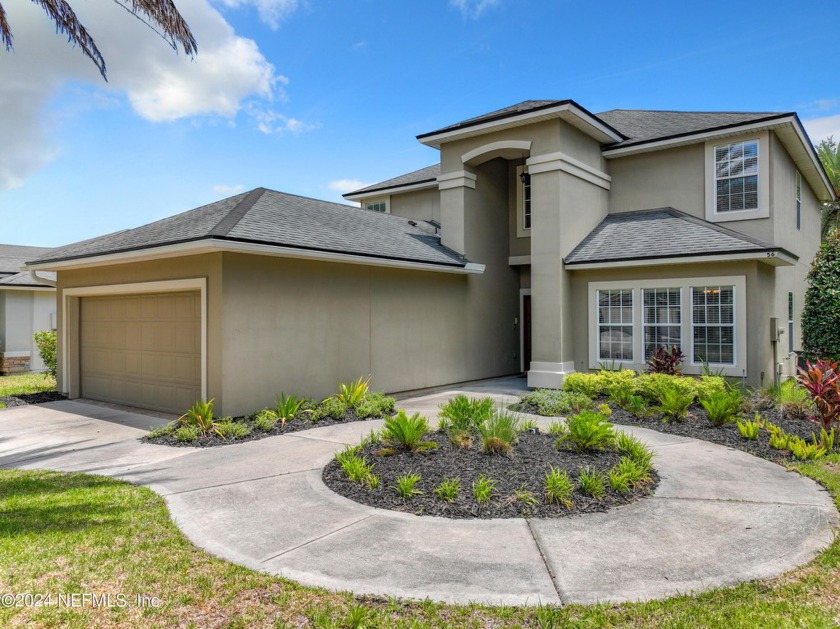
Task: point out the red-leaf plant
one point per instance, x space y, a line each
664 361
822 381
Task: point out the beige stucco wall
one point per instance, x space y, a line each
189 267
761 304
301 327
418 204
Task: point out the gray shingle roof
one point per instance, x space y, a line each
644 125
660 233
25 278
430 173
13 257
275 218
505 112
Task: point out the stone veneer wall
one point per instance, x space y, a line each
13 364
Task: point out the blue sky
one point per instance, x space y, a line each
316 97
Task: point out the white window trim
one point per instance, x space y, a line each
660 325
763 211
738 282
521 230
633 324
386 199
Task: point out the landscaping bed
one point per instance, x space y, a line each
301 422
25 399
521 471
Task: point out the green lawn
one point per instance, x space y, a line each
73 533
25 383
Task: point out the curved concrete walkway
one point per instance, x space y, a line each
719 516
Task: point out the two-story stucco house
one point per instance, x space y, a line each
547 240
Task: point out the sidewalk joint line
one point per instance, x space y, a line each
320 537
239 482
551 576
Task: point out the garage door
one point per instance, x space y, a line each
142 350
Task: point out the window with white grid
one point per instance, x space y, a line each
615 324
736 176
661 319
713 324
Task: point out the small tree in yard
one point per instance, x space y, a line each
821 316
45 341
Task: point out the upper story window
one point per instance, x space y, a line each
523 202
377 205
738 179
798 200
736 176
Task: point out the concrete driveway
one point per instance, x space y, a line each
719 516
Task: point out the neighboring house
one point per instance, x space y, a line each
27 305
548 240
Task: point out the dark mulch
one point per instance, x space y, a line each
524 468
25 399
301 422
698 426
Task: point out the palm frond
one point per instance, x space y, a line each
5 30
66 22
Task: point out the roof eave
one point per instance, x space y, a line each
586 121
216 245
358 195
774 256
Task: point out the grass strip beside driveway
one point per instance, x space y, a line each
22 384
80 534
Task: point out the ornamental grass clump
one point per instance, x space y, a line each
406 485
199 416
638 472
353 392
463 413
286 408
750 429
793 400
722 406
591 482
448 489
356 468
635 450
558 487
483 489
404 433
499 432
587 431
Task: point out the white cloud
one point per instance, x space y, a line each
821 128
473 8
227 190
346 185
229 75
272 12
272 122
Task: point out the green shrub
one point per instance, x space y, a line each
780 440
483 489
463 413
826 439
821 314
331 407
587 431
353 392
589 384
722 406
750 429
356 468
805 451
637 406
558 428
200 416
591 482
405 433
461 438
793 400
604 409
558 487
624 379
228 429
187 433
555 402
635 450
674 402
650 385
163 431
448 489
45 341
365 409
265 420
709 385
499 432
406 485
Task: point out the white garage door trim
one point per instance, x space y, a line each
139 288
